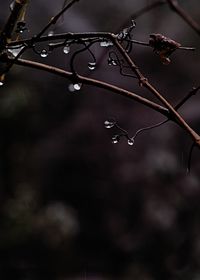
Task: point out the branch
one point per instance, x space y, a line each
144 82
173 4
93 82
55 18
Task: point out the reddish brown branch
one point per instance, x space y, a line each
94 82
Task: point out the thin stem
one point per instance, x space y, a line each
190 94
173 4
55 18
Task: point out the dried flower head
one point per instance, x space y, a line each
163 46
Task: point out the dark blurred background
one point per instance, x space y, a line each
74 205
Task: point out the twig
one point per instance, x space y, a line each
55 18
144 82
173 4
191 93
94 82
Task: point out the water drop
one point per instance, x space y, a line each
108 124
106 43
44 53
130 142
115 139
66 49
51 33
77 86
92 65
1 83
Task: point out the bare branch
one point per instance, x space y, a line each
94 82
182 13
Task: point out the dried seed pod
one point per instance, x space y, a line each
163 46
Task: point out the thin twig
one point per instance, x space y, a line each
55 18
190 94
173 4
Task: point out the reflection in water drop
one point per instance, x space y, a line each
92 65
66 49
108 124
44 53
130 142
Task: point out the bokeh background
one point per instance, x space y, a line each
74 205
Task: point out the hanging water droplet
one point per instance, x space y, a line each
106 43
51 33
77 86
108 124
130 142
44 53
1 83
115 139
92 65
66 49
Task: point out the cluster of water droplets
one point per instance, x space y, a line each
106 43
116 138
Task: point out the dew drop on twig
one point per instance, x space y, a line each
66 49
50 33
44 53
108 124
115 139
91 65
130 142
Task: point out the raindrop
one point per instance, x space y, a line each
106 43
51 33
66 49
115 139
77 86
130 142
92 65
44 53
108 124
